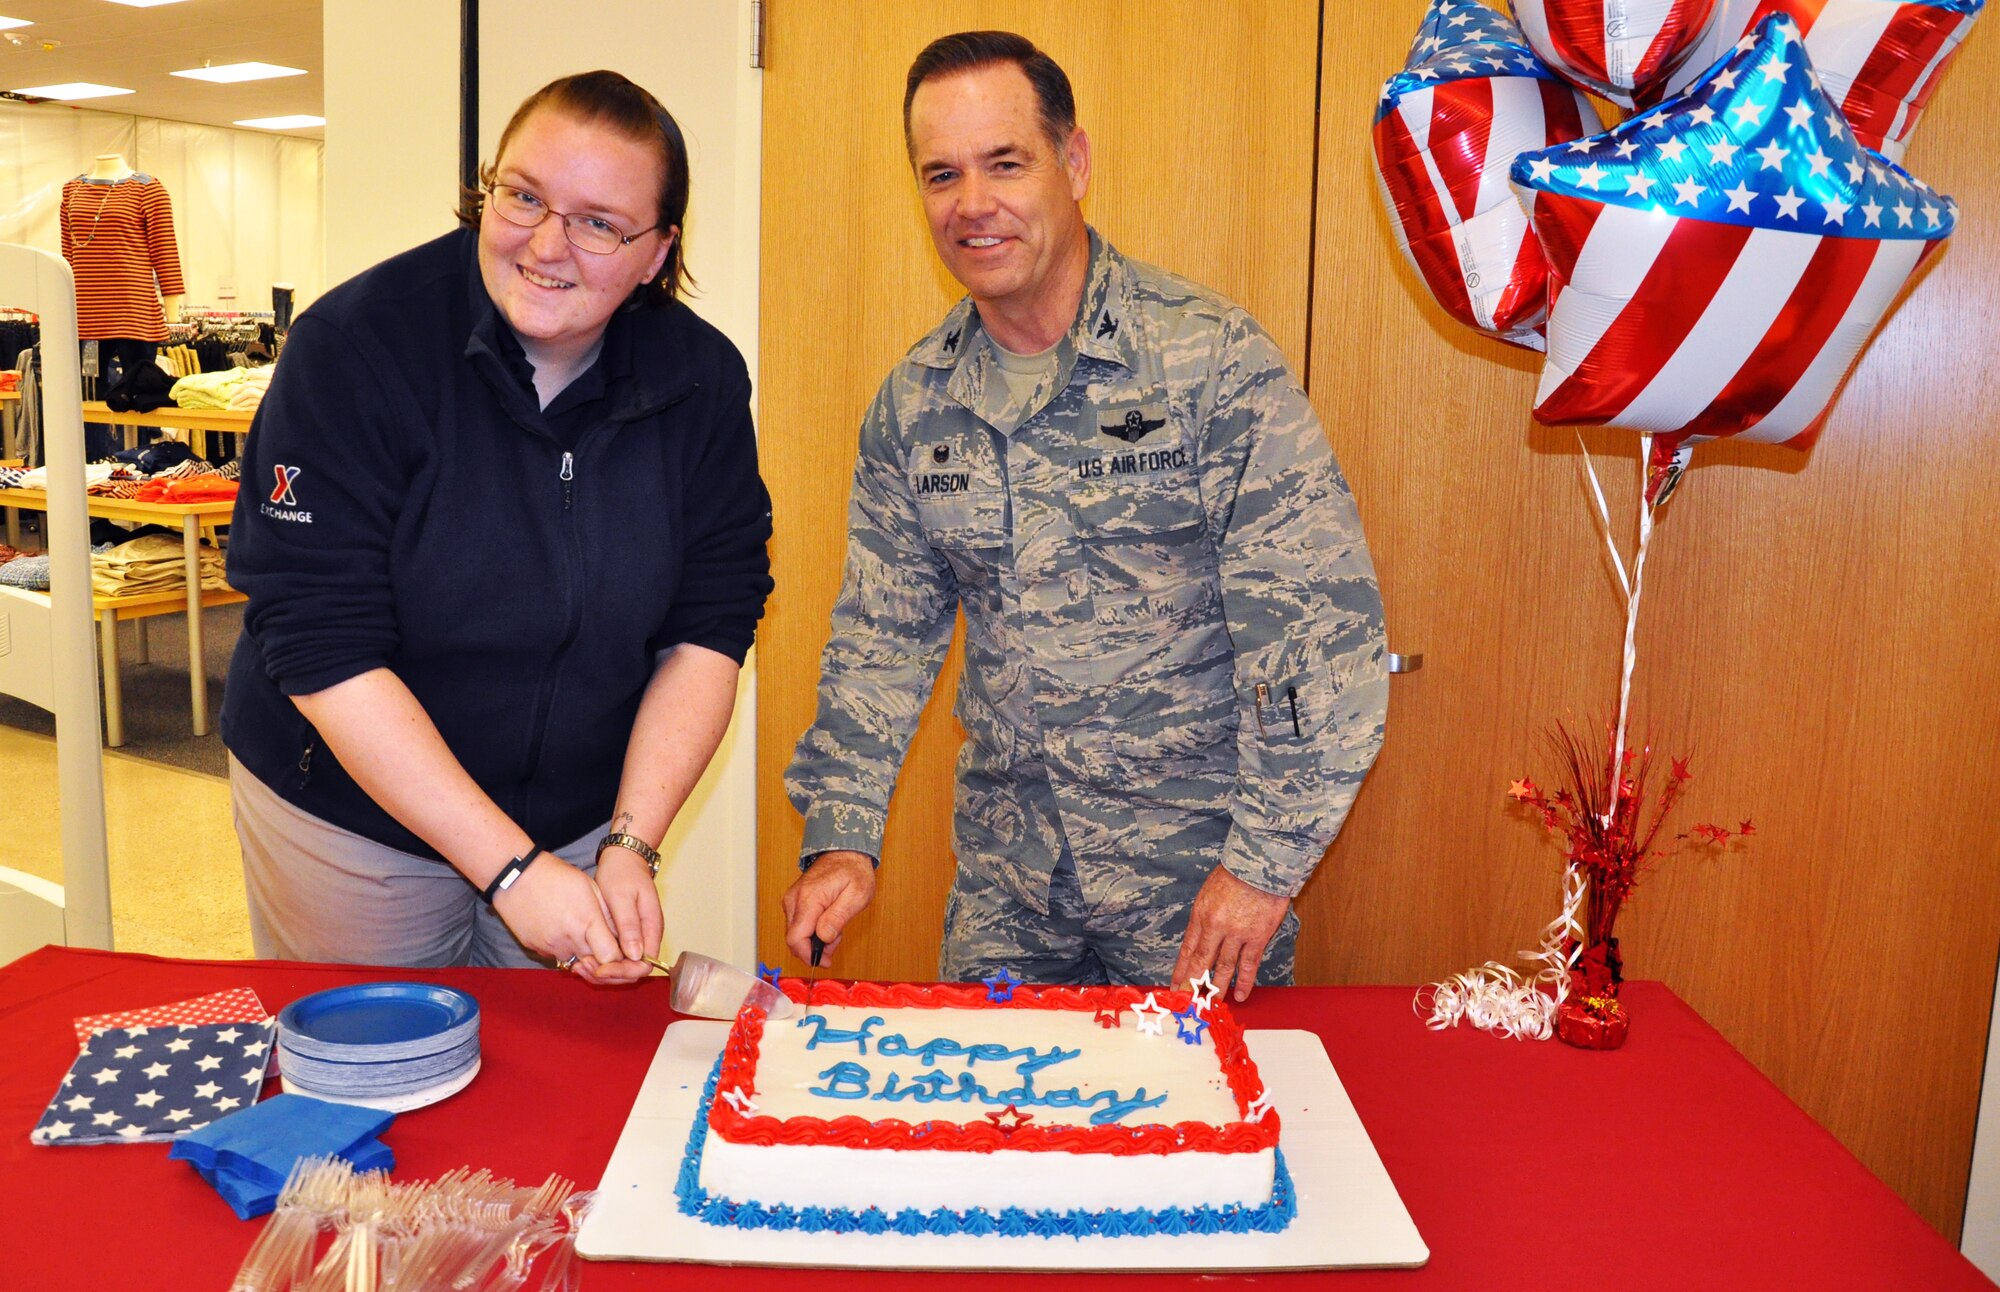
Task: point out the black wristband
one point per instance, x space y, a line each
508 874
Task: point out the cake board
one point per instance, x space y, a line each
1349 1214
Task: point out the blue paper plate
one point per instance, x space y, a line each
394 1014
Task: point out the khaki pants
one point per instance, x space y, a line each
318 892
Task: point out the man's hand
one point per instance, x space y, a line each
555 910
837 888
1227 931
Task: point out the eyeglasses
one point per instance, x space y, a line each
585 232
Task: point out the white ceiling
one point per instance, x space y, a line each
115 44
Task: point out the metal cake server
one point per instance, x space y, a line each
709 988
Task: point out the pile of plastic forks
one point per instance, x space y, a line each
467 1231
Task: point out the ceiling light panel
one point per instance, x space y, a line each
144 4
7 24
71 90
229 73
283 123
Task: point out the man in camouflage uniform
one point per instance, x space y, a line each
1174 675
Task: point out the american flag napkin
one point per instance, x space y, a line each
131 1085
237 1005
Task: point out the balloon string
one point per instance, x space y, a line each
1604 516
1631 631
1633 586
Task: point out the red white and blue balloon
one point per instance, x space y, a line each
1880 60
1618 48
1471 98
1720 260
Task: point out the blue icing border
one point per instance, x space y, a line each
1012 1222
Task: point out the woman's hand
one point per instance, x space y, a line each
633 903
556 911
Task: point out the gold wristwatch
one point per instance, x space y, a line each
632 843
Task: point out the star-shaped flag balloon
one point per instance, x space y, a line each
1617 48
1471 98
1720 260
1880 60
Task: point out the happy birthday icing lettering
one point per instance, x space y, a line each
850 1080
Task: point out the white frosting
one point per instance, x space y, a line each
1111 1065
1111 1062
804 1176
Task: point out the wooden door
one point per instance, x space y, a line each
1819 632
1201 115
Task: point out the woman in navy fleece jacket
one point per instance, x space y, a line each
503 537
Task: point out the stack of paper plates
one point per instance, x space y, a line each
389 1045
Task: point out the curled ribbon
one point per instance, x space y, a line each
1509 1002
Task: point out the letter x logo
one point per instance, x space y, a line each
281 493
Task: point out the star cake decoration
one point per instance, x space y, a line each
1189 1024
1000 987
1203 990
1729 253
139 1084
1151 1016
1472 97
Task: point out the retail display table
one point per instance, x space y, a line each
199 423
193 519
1671 1163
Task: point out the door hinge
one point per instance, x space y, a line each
757 33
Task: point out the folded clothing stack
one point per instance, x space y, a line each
30 571
250 391
248 1155
212 389
154 563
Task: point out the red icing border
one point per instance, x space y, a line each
739 1067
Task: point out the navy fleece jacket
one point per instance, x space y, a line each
406 505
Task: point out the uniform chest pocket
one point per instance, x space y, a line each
1143 541
959 495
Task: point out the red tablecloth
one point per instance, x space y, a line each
1670 1164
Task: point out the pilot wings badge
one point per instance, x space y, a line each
1133 426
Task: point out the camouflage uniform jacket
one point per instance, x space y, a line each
1174 641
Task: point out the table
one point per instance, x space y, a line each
1711 1178
193 519
197 422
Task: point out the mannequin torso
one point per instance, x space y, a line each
112 168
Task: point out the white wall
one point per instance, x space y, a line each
392 173
1980 1240
694 56
246 203
391 129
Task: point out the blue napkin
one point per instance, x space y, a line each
248 1155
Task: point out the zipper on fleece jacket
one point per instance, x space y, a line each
572 585
572 577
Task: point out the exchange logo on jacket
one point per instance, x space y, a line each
284 503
